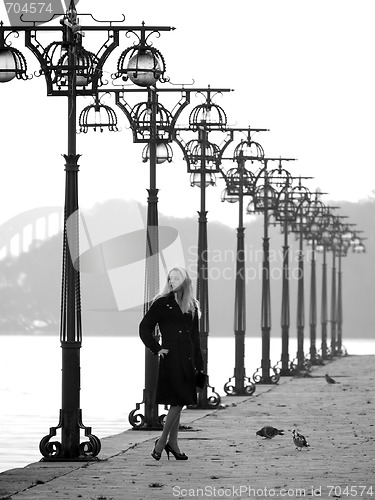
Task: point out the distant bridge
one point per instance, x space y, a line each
20 232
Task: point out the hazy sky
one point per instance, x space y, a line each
303 69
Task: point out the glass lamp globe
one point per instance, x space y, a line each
82 80
360 248
326 235
314 229
144 69
347 236
85 68
163 153
7 66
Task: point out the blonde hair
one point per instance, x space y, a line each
187 302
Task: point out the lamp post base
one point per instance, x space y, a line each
206 402
240 387
139 421
282 367
300 368
70 449
265 379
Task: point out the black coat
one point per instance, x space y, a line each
179 334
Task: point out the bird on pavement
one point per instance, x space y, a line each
299 440
269 432
330 380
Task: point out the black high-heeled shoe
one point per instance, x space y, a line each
178 456
156 455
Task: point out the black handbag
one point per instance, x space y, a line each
201 380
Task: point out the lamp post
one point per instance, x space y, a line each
285 214
358 247
347 239
301 196
317 210
203 159
154 125
71 71
342 252
336 233
239 183
333 318
338 238
322 245
265 201
324 311
151 124
330 241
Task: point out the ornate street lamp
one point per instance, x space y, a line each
301 197
335 243
285 214
239 183
357 245
324 244
337 237
203 159
346 239
69 70
267 186
330 240
321 248
154 125
317 210
146 126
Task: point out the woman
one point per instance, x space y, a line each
175 311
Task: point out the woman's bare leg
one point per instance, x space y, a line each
173 415
173 434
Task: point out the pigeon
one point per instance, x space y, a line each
330 380
269 432
299 440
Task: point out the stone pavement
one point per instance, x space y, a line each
226 458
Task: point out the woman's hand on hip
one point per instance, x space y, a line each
163 352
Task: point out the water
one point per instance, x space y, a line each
112 379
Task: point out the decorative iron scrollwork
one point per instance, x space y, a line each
257 377
342 352
135 419
53 449
248 387
214 399
273 379
92 447
162 418
296 370
318 358
277 367
229 388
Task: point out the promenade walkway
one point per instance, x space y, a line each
226 458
